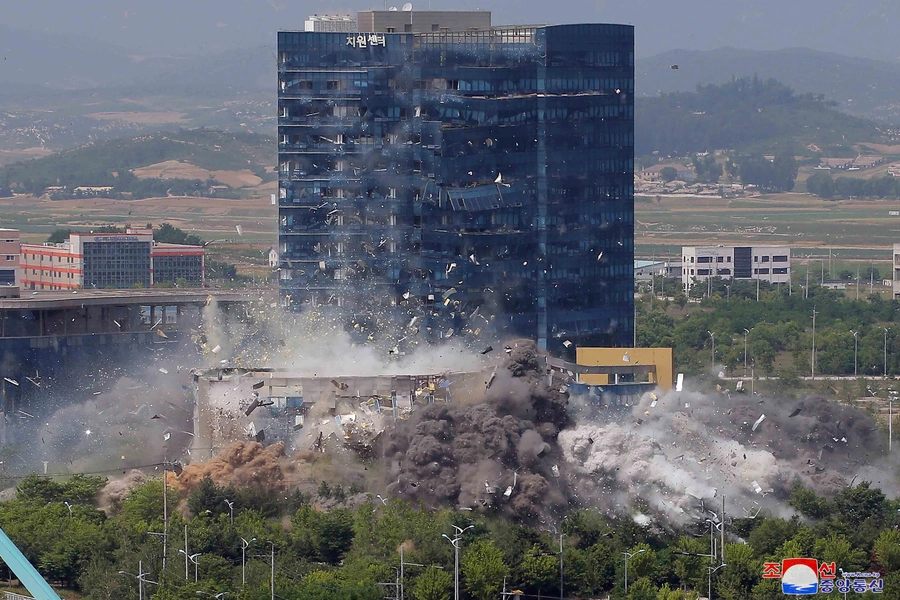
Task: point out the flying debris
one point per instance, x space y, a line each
487 350
674 67
795 413
240 230
758 422
164 371
258 385
12 381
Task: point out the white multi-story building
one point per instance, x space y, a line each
330 23
765 263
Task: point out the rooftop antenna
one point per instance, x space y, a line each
407 7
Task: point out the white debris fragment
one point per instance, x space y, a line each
216 349
555 470
761 418
240 230
12 381
679 382
163 371
756 487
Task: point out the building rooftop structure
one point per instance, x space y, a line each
422 21
338 23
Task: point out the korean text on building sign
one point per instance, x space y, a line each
363 40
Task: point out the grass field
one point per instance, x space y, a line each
852 230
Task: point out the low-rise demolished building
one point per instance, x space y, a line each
313 412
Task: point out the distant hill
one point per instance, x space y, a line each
748 115
860 86
33 62
104 163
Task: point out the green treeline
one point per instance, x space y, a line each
826 186
350 553
779 341
747 114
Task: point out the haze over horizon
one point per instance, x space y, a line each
202 27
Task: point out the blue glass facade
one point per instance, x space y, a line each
445 172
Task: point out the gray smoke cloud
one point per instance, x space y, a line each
673 456
680 453
490 454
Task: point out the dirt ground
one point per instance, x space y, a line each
174 169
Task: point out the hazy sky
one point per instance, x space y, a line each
177 27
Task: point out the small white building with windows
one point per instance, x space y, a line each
765 263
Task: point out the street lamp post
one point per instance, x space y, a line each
712 336
141 577
709 572
230 510
455 541
855 351
244 545
194 558
746 333
272 572
186 555
627 558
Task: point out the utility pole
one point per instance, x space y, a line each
885 351
746 333
813 359
455 541
165 535
723 528
272 580
560 562
186 574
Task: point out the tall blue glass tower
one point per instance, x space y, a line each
467 175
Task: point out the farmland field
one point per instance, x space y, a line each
852 229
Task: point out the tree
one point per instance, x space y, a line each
742 573
483 569
642 589
539 569
690 570
173 235
771 534
855 505
641 564
887 549
838 549
668 174
707 169
785 171
433 584
59 236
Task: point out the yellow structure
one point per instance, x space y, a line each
661 358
